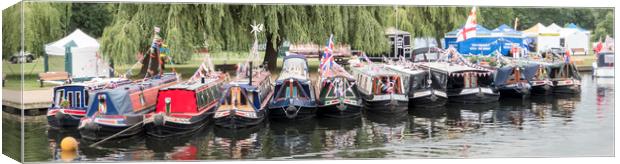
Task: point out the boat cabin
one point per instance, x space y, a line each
190 96
376 80
605 59
77 95
461 76
242 95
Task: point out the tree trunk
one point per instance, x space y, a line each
271 53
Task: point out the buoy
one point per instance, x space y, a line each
68 156
68 144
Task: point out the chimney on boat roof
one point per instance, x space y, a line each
203 80
250 79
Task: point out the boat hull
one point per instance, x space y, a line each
162 126
542 89
475 96
64 118
566 86
98 131
292 112
428 100
515 92
234 121
343 110
386 104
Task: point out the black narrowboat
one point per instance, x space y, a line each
293 96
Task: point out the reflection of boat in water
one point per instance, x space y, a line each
391 120
288 138
341 123
166 145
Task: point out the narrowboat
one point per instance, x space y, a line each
293 96
122 109
423 88
382 90
604 65
510 82
185 107
70 101
245 100
537 76
465 84
338 96
565 78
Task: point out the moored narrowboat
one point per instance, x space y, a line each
338 96
538 78
465 84
293 96
604 65
245 100
115 110
565 78
424 88
185 107
511 82
382 90
70 101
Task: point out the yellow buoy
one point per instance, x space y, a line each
68 144
68 156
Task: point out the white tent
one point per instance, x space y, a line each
546 37
575 38
86 62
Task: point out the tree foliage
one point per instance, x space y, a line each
44 22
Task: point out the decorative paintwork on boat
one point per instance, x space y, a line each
338 95
114 110
424 88
245 103
381 89
70 101
293 96
465 84
185 107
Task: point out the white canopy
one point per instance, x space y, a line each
86 62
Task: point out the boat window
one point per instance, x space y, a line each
290 90
470 81
199 99
70 99
60 95
78 99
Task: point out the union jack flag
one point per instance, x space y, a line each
327 59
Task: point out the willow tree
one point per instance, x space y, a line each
44 22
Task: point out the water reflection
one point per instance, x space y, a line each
561 125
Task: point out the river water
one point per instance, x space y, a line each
552 126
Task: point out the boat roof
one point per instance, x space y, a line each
294 67
412 70
97 83
258 76
450 68
196 84
375 70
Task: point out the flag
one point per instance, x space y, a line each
469 30
327 59
599 46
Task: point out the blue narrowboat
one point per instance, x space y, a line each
293 96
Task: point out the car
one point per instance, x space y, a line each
26 58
